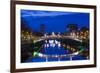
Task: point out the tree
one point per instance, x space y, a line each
72 27
84 29
84 33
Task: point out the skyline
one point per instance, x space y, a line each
54 21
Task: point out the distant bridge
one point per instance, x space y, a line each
57 37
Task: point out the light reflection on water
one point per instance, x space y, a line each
52 43
53 50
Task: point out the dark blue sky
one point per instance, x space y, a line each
53 20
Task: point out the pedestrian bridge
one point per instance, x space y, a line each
57 37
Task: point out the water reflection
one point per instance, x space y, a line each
52 43
55 50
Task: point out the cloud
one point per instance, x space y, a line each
37 13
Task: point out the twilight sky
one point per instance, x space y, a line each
54 21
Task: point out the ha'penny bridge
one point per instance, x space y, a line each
58 56
57 48
58 52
